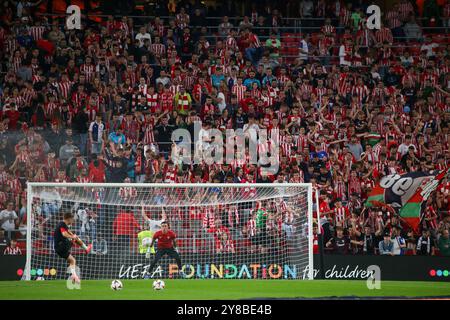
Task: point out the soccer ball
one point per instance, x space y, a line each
158 285
116 285
40 279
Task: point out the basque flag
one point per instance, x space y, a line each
406 193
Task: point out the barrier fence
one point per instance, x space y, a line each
336 267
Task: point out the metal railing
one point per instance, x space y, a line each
295 29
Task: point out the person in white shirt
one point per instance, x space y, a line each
344 60
406 59
9 220
404 147
163 78
152 224
96 133
204 139
51 202
304 49
398 241
429 46
225 27
142 35
219 99
252 124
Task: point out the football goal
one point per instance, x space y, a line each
223 231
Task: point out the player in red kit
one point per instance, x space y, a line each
166 245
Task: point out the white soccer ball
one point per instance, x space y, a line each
158 285
40 279
116 285
146 242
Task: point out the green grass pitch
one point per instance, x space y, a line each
218 289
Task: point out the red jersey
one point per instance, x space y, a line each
165 240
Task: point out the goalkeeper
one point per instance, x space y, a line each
166 245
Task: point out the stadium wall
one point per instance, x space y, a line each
401 268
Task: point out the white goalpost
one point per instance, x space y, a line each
224 231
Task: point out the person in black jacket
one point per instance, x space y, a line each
54 136
164 136
366 241
116 165
80 129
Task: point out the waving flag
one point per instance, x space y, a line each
406 193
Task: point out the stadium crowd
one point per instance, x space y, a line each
352 105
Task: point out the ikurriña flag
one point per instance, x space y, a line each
406 193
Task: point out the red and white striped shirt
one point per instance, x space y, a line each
11 46
344 16
254 41
287 148
354 185
182 20
158 49
231 44
361 91
340 215
64 88
37 32
405 9
127 193
430 212
28 95
175 88
225 246
16 63
302 143
251 226
166 101
89 71
208 218
239 91
82 179
340 190
384 34
328 28
393 19
233 218
124 26
153 101
12 251
149 137
49 109
15 185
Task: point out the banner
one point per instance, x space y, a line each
407 193
11 267
336 267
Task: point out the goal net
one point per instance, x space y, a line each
224 231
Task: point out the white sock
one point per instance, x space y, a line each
72 271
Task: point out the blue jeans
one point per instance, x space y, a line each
253 54
140 178
49 209
96 147
82 142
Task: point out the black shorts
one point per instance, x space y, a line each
168 251
62 249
